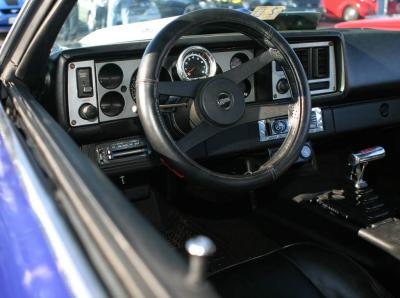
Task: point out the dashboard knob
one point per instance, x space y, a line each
282 86
88 111
306 152
279 126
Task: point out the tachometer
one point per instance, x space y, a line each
195 63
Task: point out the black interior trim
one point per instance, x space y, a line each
372 64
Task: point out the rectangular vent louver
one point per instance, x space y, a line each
320 62
315 61
304 57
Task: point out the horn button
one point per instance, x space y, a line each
221 101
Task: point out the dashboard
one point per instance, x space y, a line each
95 90
101 91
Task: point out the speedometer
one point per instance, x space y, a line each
195 63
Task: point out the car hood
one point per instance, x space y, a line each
125 33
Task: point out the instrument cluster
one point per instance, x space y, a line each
112 88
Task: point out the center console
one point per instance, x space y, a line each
385 235
358 204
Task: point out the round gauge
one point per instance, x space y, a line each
195 63
246 87
238 59
195 67
112 104
110 76
164 76
132 86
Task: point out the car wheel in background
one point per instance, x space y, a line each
350 13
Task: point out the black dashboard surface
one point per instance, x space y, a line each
372 66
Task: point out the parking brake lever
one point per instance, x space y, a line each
359 161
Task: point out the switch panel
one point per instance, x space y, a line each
82 94
84 82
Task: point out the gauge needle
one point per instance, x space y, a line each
191 70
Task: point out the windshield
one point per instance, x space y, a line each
95 22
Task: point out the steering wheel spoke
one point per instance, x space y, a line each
237 75
262 112
245 70
205 130
198 135
180 88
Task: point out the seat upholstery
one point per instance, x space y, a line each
300 270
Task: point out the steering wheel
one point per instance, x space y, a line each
219 101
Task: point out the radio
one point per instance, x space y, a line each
122 149
277 128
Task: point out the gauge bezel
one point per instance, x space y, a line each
212 64
114 77
132 85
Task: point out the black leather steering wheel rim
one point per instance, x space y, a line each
147 85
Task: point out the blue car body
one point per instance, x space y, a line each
28 267
39 257
8 12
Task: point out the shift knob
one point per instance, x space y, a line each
367 155
359 161
198 248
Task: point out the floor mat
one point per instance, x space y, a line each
236 239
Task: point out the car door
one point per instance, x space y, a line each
112 250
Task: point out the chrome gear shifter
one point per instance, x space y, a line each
355 201
359 161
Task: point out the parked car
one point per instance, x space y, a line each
290 5
385 23
9 10
349 10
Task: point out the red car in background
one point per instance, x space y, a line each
349 10
386 23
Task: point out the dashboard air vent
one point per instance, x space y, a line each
318 61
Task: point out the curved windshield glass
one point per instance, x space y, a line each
96 22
